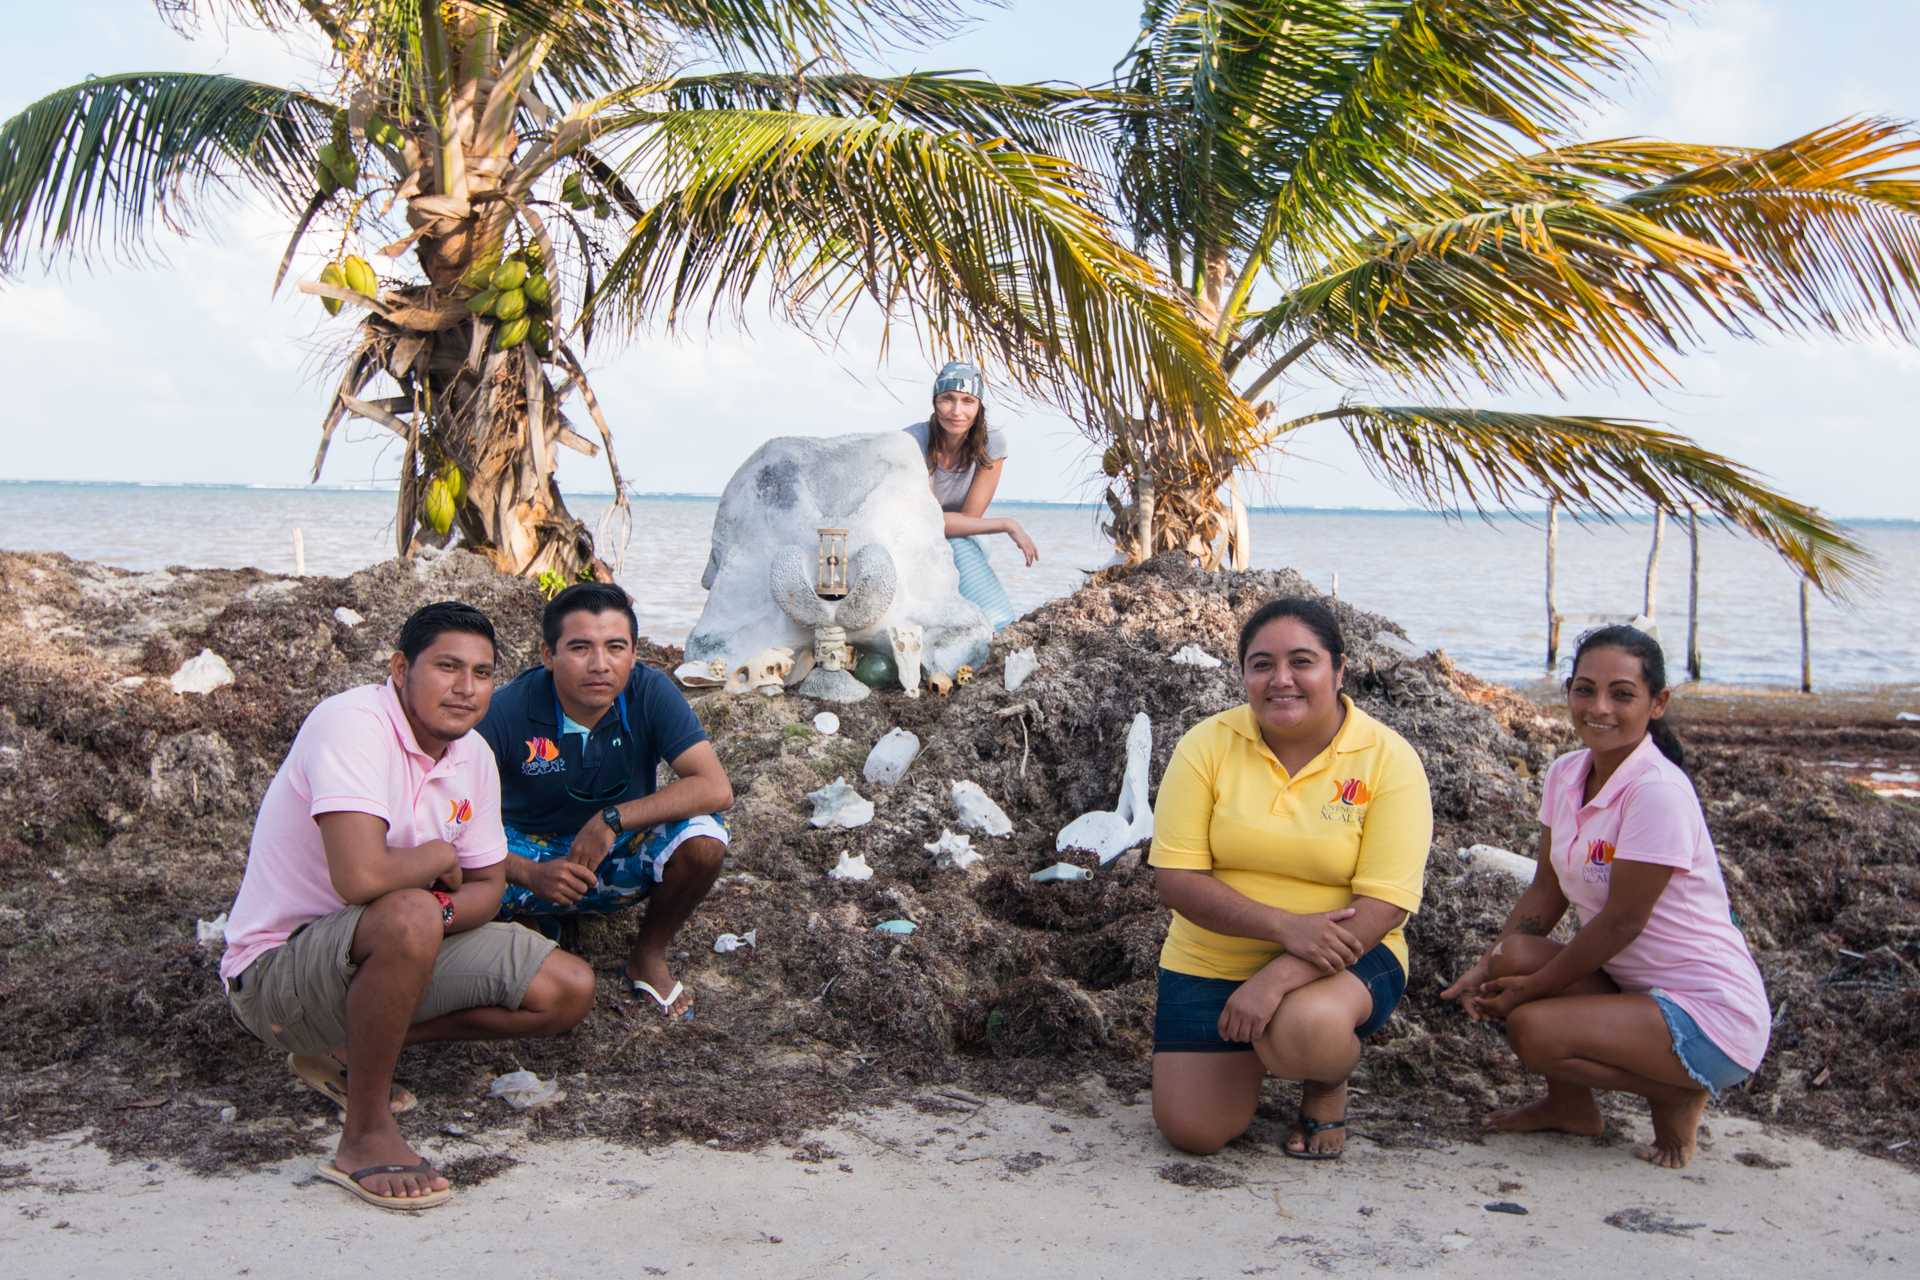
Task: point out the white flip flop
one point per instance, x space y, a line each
635 987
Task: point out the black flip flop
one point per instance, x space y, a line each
1308 1129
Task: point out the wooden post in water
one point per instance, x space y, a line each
1649 600
1806 645
1553 612
299 554
1335 593
1693 592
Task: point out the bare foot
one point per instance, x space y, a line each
650 967
1574 1113
1322 1103
1675 1125
386 1147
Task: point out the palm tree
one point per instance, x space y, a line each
1387 193
529 171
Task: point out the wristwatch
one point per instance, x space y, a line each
611 816
445 900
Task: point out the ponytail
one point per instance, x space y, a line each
1668 741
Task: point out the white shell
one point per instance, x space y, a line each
1194 656
826 723
1021 663
977 810
839 805
953 850
202 673
1111 833
699 675
851 867
888 761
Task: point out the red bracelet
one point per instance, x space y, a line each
446 907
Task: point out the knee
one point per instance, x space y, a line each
700 856
406 920
565 992
1308 1031
1520 954
1195 1135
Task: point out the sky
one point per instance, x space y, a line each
187 371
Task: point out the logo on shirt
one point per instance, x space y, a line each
1349 801
543 757
1599 864
459 814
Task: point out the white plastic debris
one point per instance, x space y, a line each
211 932
898 928
1111 833
1021 663
1502 861
131 682
1396 644
826 724
523 1090
977 810
1061 871
953 850
887 762
1908 715
1193 655
347 617
839 805
202 673
728 943
851 867
229 1114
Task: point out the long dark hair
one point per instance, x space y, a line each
1653 669
973 449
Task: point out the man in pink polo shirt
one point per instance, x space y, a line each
362 923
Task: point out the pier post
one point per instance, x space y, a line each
299 554
1693 592
1650 598
1553 612
1806 645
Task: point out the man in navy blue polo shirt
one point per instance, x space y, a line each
579 740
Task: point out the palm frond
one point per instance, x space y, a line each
1450 458
105 160
1076 123
1414 95
988 249
1601 259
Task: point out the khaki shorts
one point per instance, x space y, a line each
295 996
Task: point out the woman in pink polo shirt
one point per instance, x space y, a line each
1657 994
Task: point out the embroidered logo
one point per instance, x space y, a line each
1348 803
459 814
543 757
1599 864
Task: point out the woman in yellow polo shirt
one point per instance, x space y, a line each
1290 839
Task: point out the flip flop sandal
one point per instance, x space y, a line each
1308 1128
323 1074
636 988
355 1182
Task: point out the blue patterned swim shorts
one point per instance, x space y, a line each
634 865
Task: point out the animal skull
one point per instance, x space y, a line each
906 641
765 670
940 682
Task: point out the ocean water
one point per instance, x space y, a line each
1472 587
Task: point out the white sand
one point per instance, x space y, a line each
1007 1190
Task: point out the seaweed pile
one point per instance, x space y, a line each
128 808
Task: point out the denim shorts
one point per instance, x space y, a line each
1186 1012
1697 1052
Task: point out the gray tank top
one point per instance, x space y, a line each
950 487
